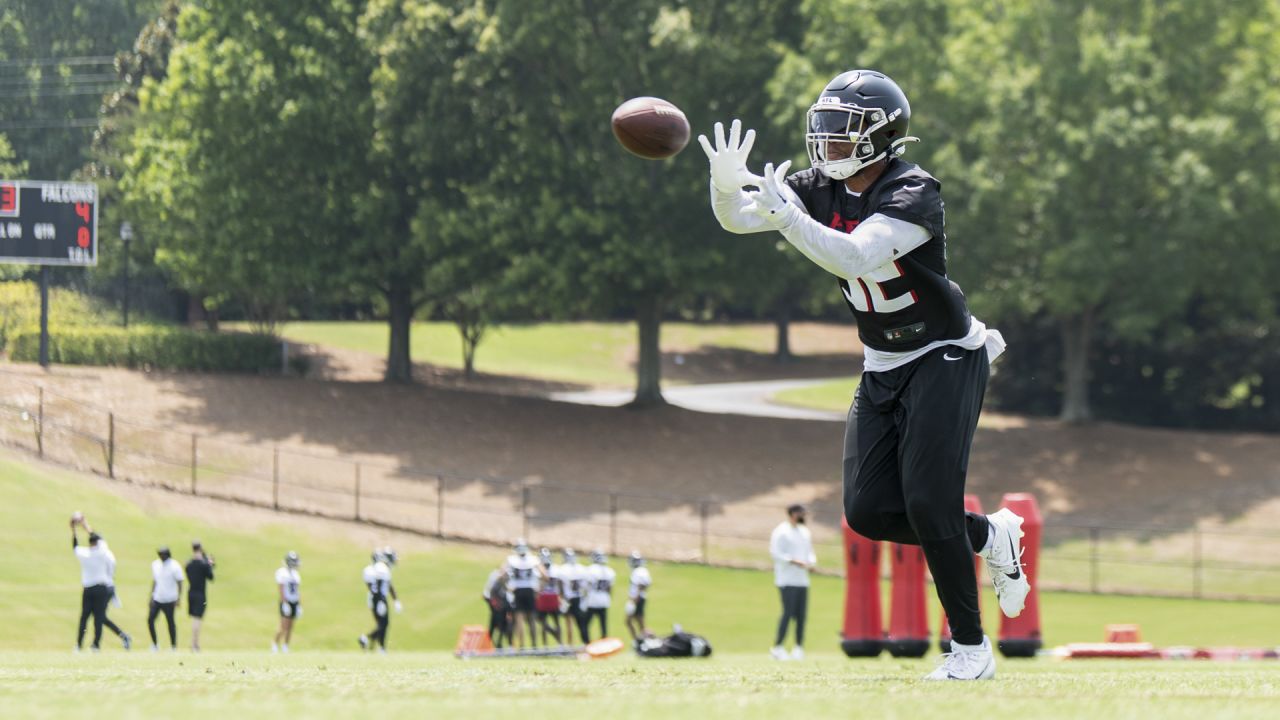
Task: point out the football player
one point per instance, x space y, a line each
636 596
875 222
97 578
524 574
571 575
288 581
599 589
377 580
495 598
548 601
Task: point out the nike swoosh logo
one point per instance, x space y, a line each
945 356
1017 573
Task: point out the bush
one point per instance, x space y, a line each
20 309
151 346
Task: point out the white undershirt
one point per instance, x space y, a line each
875 242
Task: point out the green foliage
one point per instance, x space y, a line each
20 309
154 347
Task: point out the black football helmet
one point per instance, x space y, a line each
862 107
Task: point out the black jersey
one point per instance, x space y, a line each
909 302
199 571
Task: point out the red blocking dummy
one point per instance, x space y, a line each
908 624
863 632
1020 636
971 504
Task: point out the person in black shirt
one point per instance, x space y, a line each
199 573
876 222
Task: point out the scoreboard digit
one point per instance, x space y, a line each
48 223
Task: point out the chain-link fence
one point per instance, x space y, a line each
1184 562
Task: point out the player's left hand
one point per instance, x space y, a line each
399 607
768 201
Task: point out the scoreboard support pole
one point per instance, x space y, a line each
44 316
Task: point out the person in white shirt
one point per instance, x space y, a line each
166 589
599 585
97 577
792 549
377 579
636 597
571 575
289 582
524 574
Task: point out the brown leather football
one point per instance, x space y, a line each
650 127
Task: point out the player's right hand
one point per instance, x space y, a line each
729 157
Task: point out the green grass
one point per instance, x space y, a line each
418 685
834 395
440 586
594 353
326 677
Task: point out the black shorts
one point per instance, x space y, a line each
526 599
639 607
290 609
196 605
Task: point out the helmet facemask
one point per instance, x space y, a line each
830 123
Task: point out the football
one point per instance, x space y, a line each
650 127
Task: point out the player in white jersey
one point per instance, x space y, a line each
524 575
166 590
548 601
288 581
377 580
599 588
636 597
570 575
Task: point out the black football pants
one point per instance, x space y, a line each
381 620
906 455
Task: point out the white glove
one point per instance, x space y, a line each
729 160
631 608
768 201
399 607
285 610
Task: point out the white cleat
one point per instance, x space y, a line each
779 653
1004 562
966 662
797 653
275 648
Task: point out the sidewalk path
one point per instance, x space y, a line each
741 398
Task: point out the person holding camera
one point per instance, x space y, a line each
199 573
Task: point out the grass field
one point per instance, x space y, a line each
593 353
835 395
346 685
439 583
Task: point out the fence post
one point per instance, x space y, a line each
111 445
1093 560
275 478
524 510
40 425
613 523
357 493
702 511
1196 563
195 490
439 506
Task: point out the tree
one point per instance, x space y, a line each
615 232
247 155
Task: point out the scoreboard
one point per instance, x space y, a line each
48 223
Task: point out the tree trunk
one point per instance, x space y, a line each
400 307
1077 339
649 369
782 319
471 334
